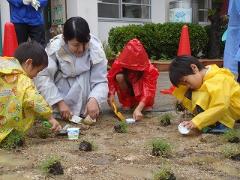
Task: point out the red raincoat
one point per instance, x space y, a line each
134 57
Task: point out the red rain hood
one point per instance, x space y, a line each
134 56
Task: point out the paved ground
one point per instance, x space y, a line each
162 102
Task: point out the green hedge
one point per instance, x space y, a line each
160 40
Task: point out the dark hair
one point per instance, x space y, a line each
76 27
181 66
32 50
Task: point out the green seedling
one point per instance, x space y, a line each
44 131
165 120
121 127
231 152
164 174
13 140
52 165
232 136
161 148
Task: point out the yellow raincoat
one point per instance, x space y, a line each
219 97
20 102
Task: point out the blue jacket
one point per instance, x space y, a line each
26 14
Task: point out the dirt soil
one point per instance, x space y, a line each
122 156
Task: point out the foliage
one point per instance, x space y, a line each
44 131
13 140
165 119
230 150
159 40
160 147
232 135
52 165
110 54
164 174
121 127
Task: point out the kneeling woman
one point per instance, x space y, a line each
74 82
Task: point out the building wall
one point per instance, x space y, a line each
5 14
159 14
87 10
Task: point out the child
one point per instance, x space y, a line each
209 92
134 79
20 102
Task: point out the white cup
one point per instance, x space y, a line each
73 133
182 129
130 120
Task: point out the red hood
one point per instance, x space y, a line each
134 56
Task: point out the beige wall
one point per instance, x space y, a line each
5 14
86 9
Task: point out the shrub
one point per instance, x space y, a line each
159 40
161 148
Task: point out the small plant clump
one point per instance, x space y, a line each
164 174
161 148
231 152
121 127
85 146
44 131
52 166
13 140
232 136
165 120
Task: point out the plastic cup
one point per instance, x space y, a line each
183 130
76 119
130 120
73 133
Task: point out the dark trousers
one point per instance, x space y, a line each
36 33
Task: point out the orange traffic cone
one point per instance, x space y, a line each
183 50
184 43
10 40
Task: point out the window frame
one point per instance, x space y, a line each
209 6
121 18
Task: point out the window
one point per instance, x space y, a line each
122 9
203 6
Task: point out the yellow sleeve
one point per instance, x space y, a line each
219 90
33 101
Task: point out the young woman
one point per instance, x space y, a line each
74 82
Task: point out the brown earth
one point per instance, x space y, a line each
124 156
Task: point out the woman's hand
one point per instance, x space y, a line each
64 110
92 108
55 124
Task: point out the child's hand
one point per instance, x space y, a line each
55 124
92 108
64 110
137 115
188 124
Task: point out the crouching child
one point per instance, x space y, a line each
20 102
209 92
